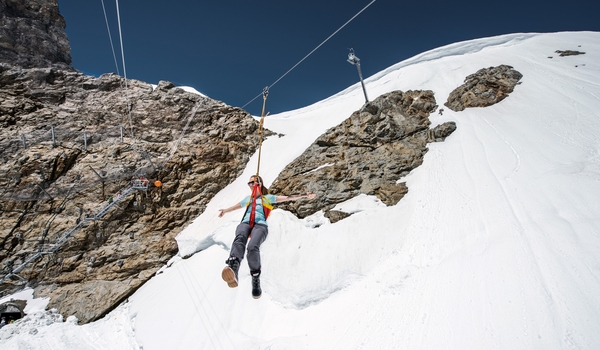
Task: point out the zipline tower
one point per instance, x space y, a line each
352 59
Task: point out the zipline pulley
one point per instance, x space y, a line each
352 59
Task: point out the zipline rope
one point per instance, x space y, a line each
124 69
310 53
129 106
265 94
110 38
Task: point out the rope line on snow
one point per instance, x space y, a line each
212 309
310 53
195 296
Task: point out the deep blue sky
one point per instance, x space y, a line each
230 49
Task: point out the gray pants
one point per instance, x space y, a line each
259 234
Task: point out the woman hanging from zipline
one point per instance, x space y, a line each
258 206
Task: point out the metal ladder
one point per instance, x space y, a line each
137 185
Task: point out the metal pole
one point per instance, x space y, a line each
102 180
51 198
361 81
352 59
85 140
121 127
95 172
53 136
24 142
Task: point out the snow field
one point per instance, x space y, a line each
494 247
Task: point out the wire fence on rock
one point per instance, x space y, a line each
55 136
52 136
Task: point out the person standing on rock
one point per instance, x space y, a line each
254 224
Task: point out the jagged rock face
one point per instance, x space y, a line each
46 189
484 88
367 153
32 34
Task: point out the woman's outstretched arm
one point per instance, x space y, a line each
231 208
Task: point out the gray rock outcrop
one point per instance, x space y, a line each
32 34
563 53
367 153
484 88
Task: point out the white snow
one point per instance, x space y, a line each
33 304
192 90
494 247
184 88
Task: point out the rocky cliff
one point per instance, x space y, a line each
50 184
32 34
70 144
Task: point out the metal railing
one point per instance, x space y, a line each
55 135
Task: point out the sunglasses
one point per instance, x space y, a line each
252 183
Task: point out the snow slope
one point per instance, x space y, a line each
495 246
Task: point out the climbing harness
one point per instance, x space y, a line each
265 202
255 193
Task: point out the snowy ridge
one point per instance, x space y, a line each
495 245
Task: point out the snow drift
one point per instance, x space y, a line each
495 246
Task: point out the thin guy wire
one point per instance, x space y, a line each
110 38
124 69
310 53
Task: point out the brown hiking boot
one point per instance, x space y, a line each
230 272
